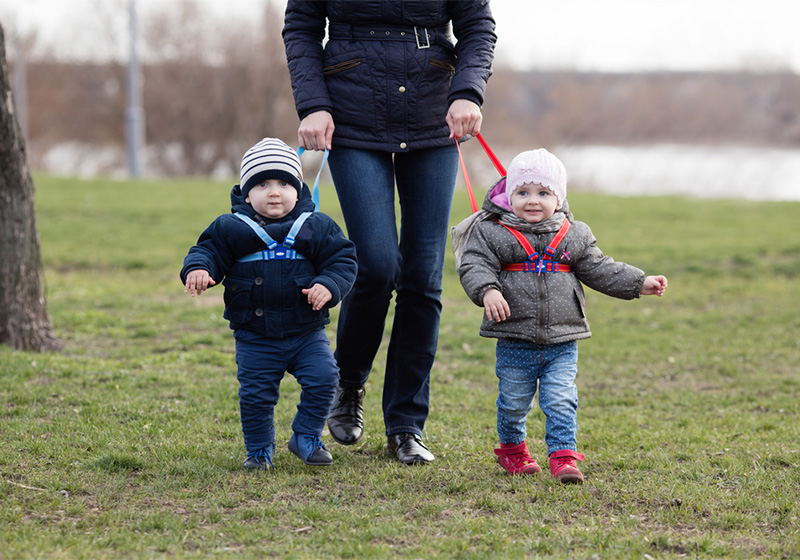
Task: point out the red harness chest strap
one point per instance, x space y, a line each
535 263
538 266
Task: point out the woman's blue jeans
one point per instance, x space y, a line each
262 363
522 365
409 263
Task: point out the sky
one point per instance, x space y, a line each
587 35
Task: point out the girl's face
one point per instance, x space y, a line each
272 198
533 203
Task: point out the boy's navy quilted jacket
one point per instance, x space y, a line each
384 91
265 296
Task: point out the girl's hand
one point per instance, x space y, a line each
198 281
654 286
496 305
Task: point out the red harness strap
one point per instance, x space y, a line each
535 263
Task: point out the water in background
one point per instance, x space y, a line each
713 171
699 171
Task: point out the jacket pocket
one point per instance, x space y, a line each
350 87
580 302
432 81
237 299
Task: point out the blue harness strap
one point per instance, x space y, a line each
274 249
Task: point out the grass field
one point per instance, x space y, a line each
128 443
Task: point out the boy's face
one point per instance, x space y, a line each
272 198
533 203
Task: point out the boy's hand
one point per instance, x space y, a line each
198 281
654 286
496 305
318 296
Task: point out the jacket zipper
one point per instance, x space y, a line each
540 335
341 67
443 65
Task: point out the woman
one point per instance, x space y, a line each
389 94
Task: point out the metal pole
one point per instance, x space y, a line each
134 114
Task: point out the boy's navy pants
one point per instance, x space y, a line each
262 363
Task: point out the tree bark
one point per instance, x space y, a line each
24 322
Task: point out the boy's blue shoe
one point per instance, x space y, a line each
261 459
310 449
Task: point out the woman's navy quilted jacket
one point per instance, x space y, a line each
389 69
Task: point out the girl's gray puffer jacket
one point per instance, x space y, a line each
546 308
389 69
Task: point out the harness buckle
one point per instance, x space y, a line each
427 44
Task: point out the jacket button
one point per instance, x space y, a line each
403 145
402 89
258 281
259 312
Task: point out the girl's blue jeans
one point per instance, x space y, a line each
262 363
408 262
521 366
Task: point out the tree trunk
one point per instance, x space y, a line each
24 323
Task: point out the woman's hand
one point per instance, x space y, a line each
464 118
316 131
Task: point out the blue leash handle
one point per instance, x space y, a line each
315 188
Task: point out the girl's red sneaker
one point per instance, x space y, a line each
515 458
563 467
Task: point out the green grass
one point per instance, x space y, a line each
128 444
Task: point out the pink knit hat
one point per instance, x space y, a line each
538 167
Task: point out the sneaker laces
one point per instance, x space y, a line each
262 453
314 442
520 459
566 460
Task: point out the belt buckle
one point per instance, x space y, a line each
427 44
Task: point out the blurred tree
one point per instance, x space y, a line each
24 323
212 90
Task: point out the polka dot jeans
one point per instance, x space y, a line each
521 366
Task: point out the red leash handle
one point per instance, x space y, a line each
466 179
492 157
497 165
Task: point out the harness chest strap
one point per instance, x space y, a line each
536 263
274 249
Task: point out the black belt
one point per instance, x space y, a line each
422 36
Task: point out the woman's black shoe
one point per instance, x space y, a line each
346 419
409 449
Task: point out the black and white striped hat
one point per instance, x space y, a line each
270 159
